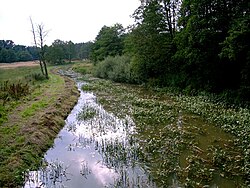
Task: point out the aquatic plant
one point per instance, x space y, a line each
172 138
49 174
235 120
85 170
88 112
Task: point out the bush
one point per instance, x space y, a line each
115 68
13 90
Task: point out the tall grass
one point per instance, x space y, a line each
83 67
16 74
15 83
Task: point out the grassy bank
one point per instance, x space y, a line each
30 123
191 139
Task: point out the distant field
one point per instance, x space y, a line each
19 64
12 73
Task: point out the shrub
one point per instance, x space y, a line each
116 68
15 90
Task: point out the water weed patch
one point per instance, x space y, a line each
183 141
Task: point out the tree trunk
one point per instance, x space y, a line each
41 66
46 71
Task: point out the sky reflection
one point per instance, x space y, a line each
94 149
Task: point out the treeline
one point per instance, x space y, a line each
66 51
192 45
9 52
58 53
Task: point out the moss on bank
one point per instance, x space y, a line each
32 126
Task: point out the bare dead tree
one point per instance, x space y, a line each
34 37
41 34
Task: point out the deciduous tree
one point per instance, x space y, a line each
108 42
39 36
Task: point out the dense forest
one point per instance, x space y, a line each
192 45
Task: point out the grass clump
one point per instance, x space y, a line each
34 107
35 77
87 113
13 90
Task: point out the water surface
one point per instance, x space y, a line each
95 149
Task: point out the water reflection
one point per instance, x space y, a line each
94 149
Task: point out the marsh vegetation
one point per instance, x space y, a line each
183 140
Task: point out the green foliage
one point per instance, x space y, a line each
83 50
70 50
207 51
35 76
88 112
108 42
3 113
81 70
14 90
149 44
24 56
236 50
174 140
83 67
55 54
204 47
9 52
116 68
66 51
36 106
7 56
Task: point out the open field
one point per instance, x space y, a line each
18 64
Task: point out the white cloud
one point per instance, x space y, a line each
76 20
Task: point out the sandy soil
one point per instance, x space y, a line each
19 64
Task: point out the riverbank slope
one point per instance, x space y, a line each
32 125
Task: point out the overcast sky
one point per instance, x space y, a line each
76 20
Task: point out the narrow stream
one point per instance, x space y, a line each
94 149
